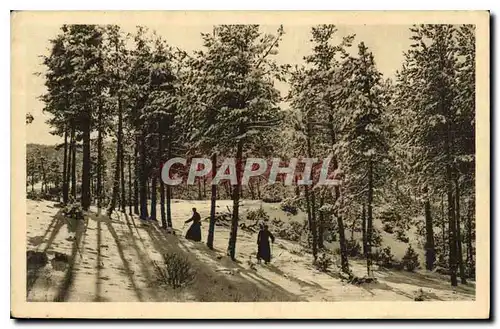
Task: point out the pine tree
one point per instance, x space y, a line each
364 146
117 64
432 67
241 100
160 114
85 45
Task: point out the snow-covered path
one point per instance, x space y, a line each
112 260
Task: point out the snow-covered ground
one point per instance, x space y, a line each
111 259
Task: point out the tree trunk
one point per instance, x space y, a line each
461 267
310 222
143 177
199 188
44 177
213 201
443 226
123 192
86 162
118 162
353 227
258 188
236 202
230 189
162 205
129 185
204 187
169 192
365 240
251 188
65 167
136 176
452 228
340 223
344 262
162 185
99 158
73 164
369 221
153 196
321 225
313 201
470 250
430 253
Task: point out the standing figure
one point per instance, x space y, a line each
263 246
194 232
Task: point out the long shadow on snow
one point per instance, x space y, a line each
207 281
55 226
119 247
302 283
57 223
147 268
421 280
79 227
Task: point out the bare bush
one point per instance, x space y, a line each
176 272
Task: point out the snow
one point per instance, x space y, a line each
111 259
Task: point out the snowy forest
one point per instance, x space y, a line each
399 226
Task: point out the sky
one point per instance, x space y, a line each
387 43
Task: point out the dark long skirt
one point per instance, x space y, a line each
264 251
194 232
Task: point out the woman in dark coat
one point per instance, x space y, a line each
194 232
263 246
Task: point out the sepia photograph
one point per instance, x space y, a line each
335 160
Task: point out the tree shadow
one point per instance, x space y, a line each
80 227
127 269
300 282
35 262
98 289
215 286
425 281
146 261
370 287
131 222
54 227
57 223
125 262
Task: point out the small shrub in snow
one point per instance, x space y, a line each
33 195
442 270
384 257
353 248
257 215
410 260
323 262
73 211
389 228
470 269
177 271
289 206
290 231
419 295
376 238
